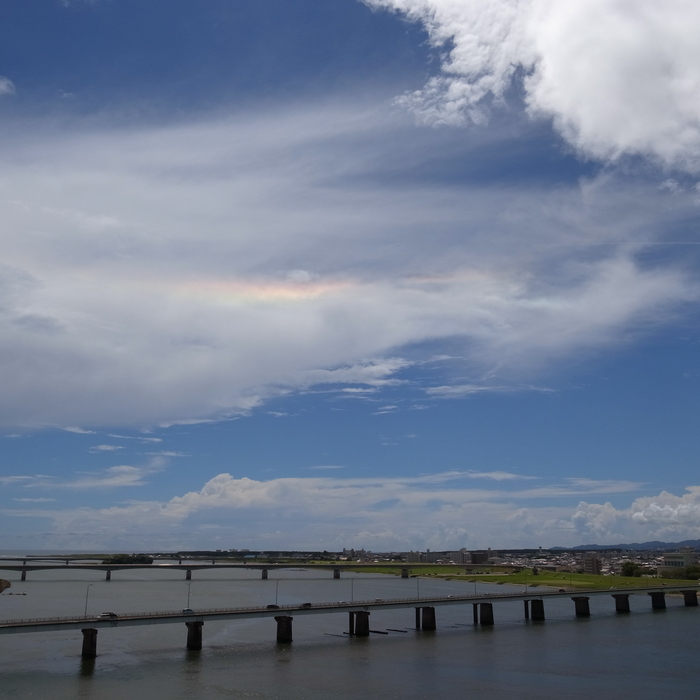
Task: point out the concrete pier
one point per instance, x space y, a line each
428 621
404 573
284 629
188 575
622 602
475 612
336 573
194 635
108 576
351 623
583 608
417 618
537 610
89 643
486 613
23 577
264 574
526 605
690 598
658 600
362 623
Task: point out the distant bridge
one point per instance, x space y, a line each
188 567
358 613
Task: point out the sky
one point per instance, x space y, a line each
392 274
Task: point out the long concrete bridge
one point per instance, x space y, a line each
358 613
189 567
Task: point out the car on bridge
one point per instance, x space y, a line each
109 615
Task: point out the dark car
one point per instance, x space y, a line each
188 611
306 605
109 615
273 607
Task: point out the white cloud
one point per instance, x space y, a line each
7 87
106 448
140 322
79 431
616 76
436 510
498 476
34 500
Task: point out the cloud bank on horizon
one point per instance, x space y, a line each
617 77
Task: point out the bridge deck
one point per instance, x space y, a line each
169 617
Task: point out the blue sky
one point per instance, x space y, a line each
392 274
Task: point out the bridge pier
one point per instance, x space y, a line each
23 577
658 600
537 609
188 575
582 606
428 622
404 573
526 605
362 623
108 577
284 629
486 613
690 598
622 602
89 643
475 611
194 635
264 574
351 623
336 573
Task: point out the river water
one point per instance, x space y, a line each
642 655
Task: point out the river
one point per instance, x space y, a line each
642 655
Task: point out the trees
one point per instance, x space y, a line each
629 568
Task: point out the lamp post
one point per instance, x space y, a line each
189 588
418 585
87 593
352 590
277 587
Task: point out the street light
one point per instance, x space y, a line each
189 587
87 593
352 590
277 586
418 585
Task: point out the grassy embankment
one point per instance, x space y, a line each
555 579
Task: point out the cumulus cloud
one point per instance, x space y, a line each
617 77
439 510
147 281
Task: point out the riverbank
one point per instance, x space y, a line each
526 577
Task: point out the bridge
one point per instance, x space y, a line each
358 613
189 567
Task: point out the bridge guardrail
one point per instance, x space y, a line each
337 604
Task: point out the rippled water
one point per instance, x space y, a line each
642 655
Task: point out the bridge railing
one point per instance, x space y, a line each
335 605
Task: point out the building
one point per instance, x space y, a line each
591 564
480 557
675 562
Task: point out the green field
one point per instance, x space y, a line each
555 579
